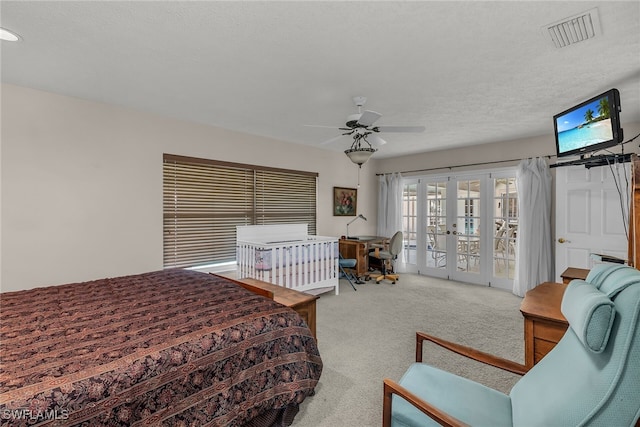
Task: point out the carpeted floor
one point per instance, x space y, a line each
369 334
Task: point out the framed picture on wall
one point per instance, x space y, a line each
345 201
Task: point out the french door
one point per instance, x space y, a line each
462 227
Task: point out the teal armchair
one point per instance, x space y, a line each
590 378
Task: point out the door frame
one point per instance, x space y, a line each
485 275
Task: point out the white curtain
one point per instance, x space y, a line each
389 204
534 247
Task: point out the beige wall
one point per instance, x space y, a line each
82 185
81 182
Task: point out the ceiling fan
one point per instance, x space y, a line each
360 126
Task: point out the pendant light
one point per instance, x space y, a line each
358 153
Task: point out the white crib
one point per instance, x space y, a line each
285 255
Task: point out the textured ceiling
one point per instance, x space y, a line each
471 72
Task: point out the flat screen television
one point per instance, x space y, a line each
589 126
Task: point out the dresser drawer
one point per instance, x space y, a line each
548 331
541 348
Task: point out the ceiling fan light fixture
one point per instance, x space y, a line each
359 155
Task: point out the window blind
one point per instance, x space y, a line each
204 200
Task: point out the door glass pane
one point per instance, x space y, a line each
505 199
409 218
467 226
436 226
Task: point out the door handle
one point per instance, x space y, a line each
562 240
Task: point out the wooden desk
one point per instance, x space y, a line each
359 250
574 273
304 304
544 324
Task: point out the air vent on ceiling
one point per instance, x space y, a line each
575 29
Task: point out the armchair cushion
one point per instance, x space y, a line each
590 314
601 272
464 399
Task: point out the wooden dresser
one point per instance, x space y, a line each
304 304
544 324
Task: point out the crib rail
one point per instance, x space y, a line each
302 264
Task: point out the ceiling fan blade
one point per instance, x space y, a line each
368 118
321 126
334 139
399 129
374 139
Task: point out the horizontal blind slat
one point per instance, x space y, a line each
205 200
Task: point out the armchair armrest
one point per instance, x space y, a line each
480 356
391 387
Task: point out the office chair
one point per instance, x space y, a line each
387 257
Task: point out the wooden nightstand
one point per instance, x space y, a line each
574 273
304 304
544 324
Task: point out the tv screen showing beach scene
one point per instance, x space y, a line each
589 126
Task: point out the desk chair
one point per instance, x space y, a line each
348 263
387 257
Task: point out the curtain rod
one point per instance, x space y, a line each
497 161
468 164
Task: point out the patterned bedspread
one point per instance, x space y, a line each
172 347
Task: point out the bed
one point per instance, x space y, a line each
172 347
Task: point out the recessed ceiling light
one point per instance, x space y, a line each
8 35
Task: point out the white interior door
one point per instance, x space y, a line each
591 214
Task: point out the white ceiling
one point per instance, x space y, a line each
471 72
